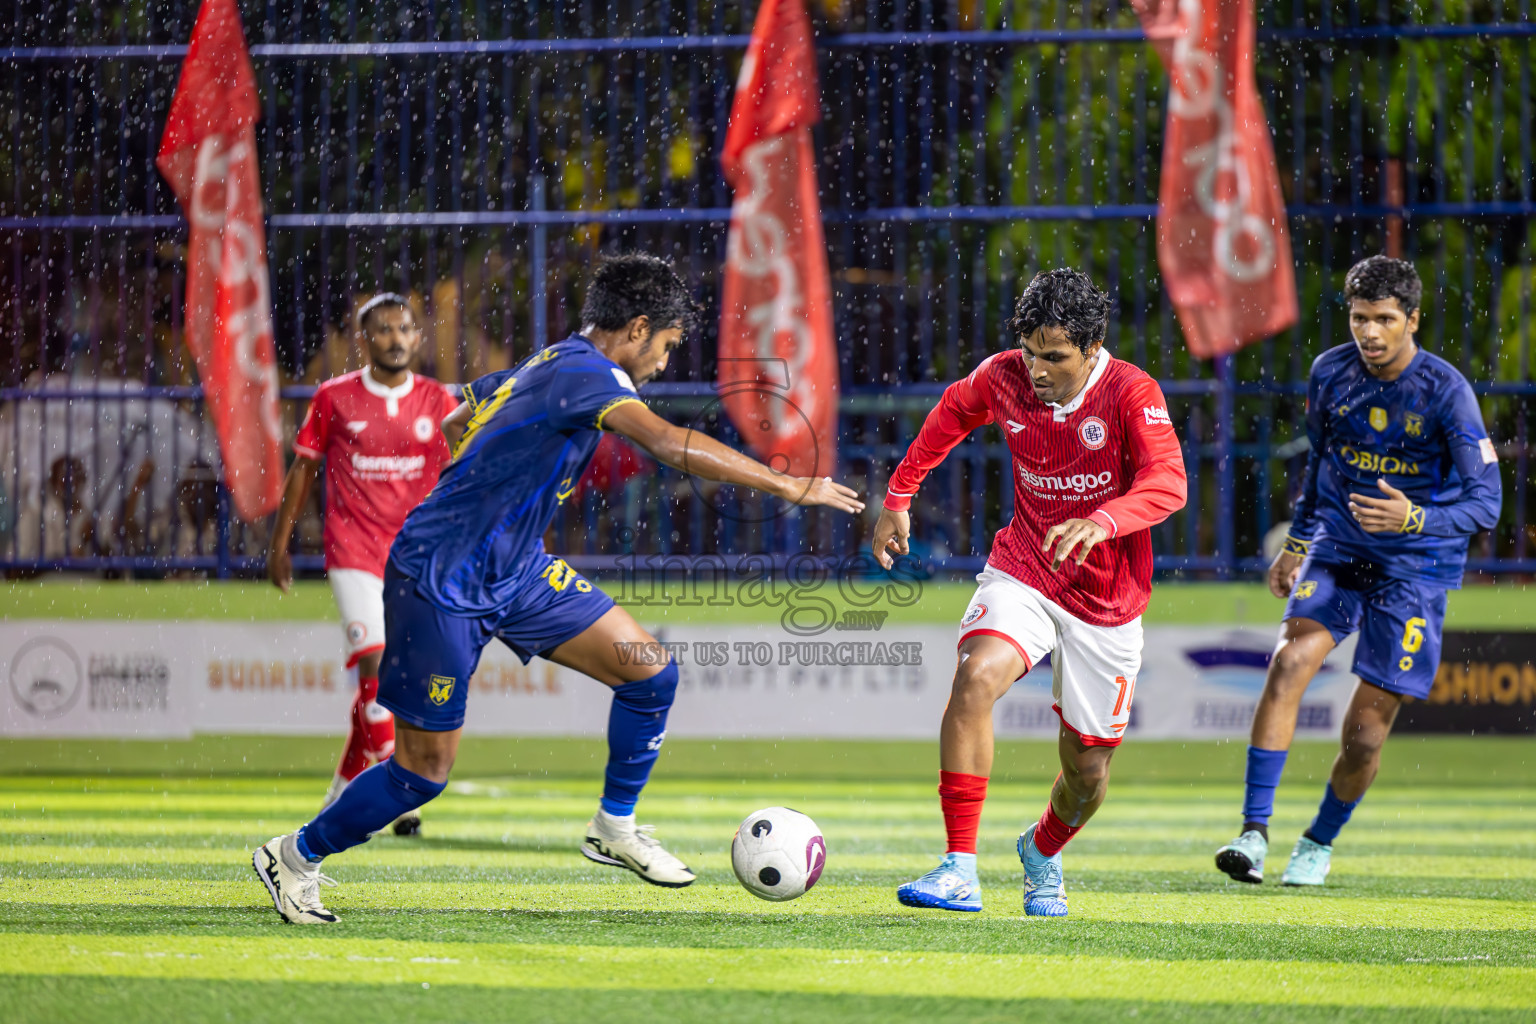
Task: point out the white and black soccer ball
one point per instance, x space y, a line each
778 854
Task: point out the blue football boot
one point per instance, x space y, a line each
950 886
1045 894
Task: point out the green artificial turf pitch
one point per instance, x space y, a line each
127 895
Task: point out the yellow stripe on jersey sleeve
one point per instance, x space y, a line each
605 410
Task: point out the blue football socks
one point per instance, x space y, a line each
637 724
1332 814
369 803
1262 778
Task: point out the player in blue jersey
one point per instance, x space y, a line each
1401 475
469 565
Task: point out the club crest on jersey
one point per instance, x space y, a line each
1093 433
1378 418
423 428
1414 424
976 612
439 689
1304 590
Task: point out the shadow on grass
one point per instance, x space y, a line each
898 931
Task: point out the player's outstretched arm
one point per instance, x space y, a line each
703 456
301 477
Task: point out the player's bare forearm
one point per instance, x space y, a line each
301 476
702 456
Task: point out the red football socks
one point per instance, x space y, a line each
961 797
371 736
1053 833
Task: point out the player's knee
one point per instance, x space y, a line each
978 681
1291 668
651 695
1086 778
1361 745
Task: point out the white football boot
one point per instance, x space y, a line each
292 881
623 844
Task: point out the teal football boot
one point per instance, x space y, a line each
950 886
1045 894
1243 857
1309 863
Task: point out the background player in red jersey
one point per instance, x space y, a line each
1096 463
377 431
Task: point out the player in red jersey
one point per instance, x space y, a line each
1096 462
377 431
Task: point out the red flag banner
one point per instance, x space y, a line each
778 376
208 155
1222 238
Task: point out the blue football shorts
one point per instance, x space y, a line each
1399 622
430 655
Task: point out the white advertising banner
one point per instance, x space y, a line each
174 679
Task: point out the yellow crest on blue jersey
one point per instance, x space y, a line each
1414 424
439 689
1304 589
1378 418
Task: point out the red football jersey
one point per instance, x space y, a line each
1109 455
383 450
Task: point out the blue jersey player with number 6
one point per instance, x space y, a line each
1401 475
469 565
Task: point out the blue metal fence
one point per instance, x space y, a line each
479 154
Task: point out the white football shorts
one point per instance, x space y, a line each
360 597
1093 668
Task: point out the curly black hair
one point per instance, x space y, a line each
1382 277
1063 298
635 284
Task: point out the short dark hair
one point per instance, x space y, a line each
1382 277
1063 298
635 284
383 300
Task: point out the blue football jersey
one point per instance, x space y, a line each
480 533
1422 433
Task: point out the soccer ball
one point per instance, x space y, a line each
778 854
